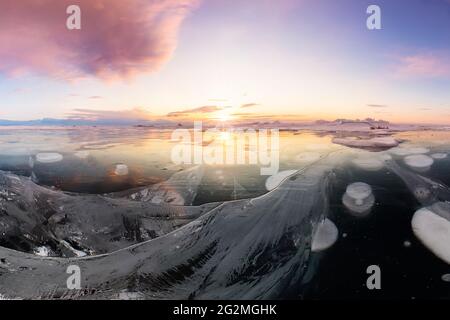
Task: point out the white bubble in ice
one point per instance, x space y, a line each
439 156
419 161
49 157
325 236
368 163
121 169
446 277
405 151
358 198
274 181
407 244
82 154
433 231
359 191
422 193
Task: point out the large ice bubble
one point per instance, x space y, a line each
325 236
49 157
419 162
439 156
405 151
358 198
446 277
121 169
368 163
431 225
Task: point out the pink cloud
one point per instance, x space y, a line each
428 65
118 38
199 110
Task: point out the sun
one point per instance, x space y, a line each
224 116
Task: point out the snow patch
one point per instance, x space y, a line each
378 142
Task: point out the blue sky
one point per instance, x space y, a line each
309 59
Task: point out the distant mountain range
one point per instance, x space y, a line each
83 122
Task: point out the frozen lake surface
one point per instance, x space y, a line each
112 201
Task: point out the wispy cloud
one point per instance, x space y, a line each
118 38
423 65
249 105
377 106
195 111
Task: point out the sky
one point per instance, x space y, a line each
225 60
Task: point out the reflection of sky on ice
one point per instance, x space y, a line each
87 159
104 159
